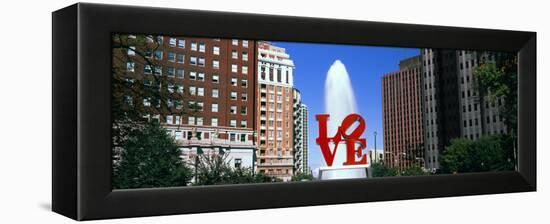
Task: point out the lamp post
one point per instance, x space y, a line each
375 133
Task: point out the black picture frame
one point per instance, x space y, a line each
82 120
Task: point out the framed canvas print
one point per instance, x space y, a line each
168 111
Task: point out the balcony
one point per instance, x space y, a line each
271 164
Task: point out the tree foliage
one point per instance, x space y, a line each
382 170
148 157
300 176
414 170
497 79
215 169
491 153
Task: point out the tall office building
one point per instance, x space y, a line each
300 134
274 115
451 103
207 92
402 115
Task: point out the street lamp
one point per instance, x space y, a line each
375 133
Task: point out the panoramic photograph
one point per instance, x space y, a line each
193 111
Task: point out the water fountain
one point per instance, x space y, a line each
339 102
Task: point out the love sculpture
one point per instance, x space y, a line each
342 135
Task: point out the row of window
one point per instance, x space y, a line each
192 120
178 72
488 120
180 42
233 137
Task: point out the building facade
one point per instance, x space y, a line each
274 113
207 92
300 134
402 115
451 104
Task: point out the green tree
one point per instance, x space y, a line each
491 153
215 169
148 157
414 170
300 176
382 170
497 79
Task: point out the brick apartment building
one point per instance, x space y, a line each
402 115
274 112
208 89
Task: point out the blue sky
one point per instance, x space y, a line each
365 65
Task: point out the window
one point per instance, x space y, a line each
172 42
216 64
215 93
171 71
238 162
214 107
200 91
179 73
193 75
244 96
180 58
191 120
147 69
202 47
233 95
147 102
178 119
178 135
215 78
216 50
243 125
234 54
181 43
130 66
128 100
233 123
233 110
158 70
171 56
201 76
245 56
159 39
201 61
244 83
243 110
194 46
192 90
158 55
235 42
244 69
214 122
245 43
150 38
179 88
132 50
234 81
169 119
193 60
200 106
169 103
234 68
